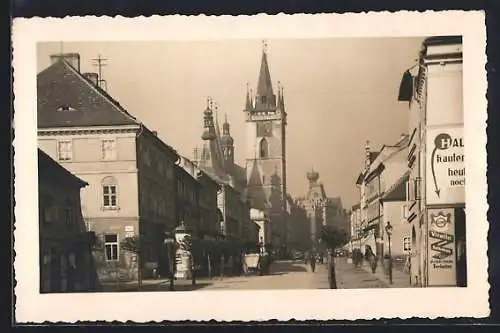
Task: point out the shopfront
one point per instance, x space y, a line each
436 191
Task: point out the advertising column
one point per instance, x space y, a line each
183 255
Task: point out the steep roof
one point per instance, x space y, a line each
397 192
65 98
264 86
373 155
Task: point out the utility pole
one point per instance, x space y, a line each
99 62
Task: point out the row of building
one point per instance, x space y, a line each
417 185
105 177
132 183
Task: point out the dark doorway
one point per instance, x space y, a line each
461 253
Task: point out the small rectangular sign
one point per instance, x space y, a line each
441 247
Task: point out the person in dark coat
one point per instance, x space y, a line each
357 257
312 261
371 258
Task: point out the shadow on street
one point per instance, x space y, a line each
160 287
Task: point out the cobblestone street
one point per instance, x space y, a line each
284 275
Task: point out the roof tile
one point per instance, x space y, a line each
65 98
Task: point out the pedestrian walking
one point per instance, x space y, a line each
371 258
312 262
357 257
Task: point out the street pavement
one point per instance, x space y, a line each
283 275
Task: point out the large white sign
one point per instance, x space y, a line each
445 176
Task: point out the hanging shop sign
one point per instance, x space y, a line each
445 177
441 247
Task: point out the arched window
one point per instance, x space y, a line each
264 148
109 193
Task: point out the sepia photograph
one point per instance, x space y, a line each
144 187
190 166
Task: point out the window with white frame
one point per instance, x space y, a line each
108 147
65 150
109 193
404 211
111 247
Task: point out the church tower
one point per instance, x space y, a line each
266 151
227 145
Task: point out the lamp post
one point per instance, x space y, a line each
388 230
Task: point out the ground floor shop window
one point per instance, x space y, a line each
111 247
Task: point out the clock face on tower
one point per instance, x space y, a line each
265 129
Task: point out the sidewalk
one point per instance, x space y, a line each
319 279
156 285
350 277
399 278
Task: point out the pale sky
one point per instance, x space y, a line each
338 94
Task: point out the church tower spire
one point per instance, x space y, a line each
266 150
208 123
265 97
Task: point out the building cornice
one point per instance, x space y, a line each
87 130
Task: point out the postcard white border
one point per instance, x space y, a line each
249 305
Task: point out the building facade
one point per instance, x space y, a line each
383 169
210 216
299 225
356 228
260 219
66 262
336 215
436 193
130 171
216 159
394 212
187 195
266 152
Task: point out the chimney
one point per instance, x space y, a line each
155 133
92 77
71 58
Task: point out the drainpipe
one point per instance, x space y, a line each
139 251
380 224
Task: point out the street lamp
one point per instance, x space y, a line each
388 230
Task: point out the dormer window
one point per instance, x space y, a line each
65 108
